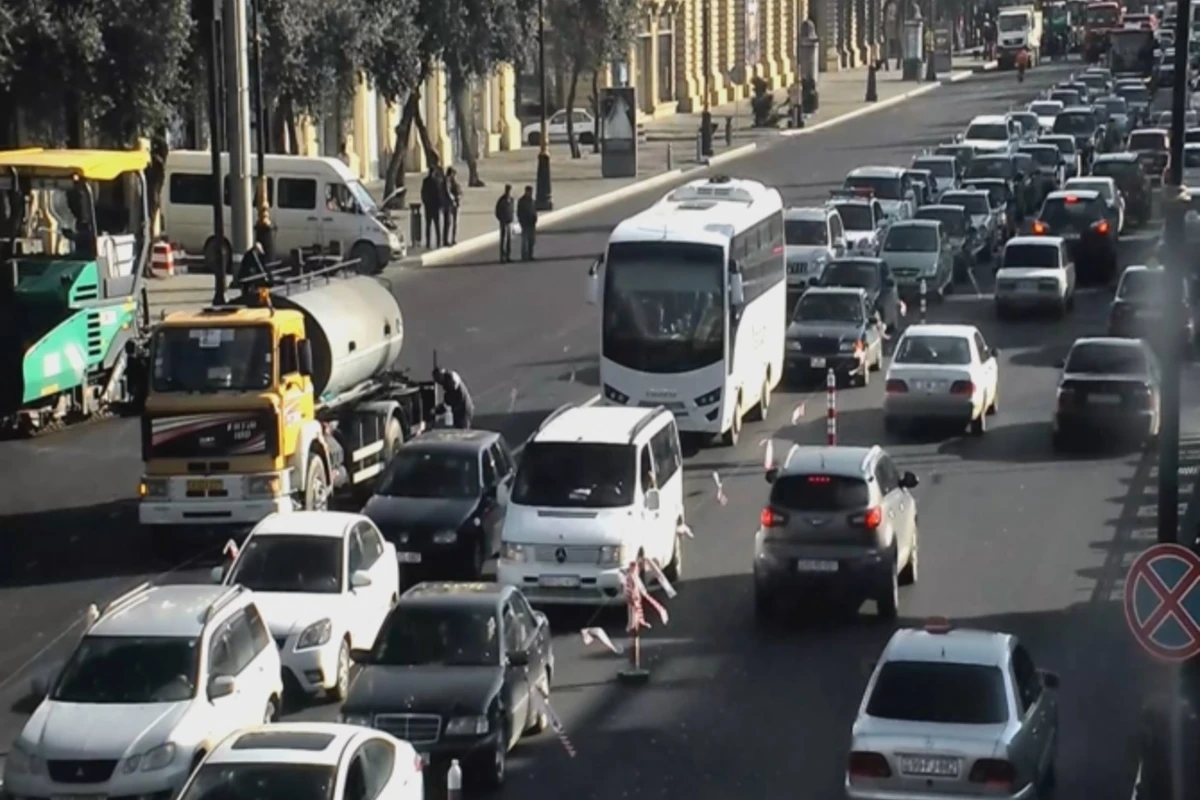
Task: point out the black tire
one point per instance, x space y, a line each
891 426
496 770
912 570
540 721
271 712
1059 442
887 602
210 245
341 686
978 425
674 569
367 257
534 139
316 485
732 436
478 558
587 139
763 408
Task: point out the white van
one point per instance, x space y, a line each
314 202
595 485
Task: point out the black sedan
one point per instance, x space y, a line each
1081 123
1006 167
834 329
873 277
1139 310
969 247
1083 219
459 670
442 502
1108 386
1126 171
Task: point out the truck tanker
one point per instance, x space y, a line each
284 400
74 245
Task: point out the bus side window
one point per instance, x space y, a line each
289 363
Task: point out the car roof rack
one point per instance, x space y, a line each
555 414
95 613
221 602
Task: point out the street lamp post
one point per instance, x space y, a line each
216 140
544 201
263 231
706 136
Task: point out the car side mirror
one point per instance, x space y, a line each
652 500
217 574
220 686
994 352
772 474
593 285
737 290
304 356
1050 679
518 658
909 481
542 620
360 656
360 580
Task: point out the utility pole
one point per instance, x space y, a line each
216 145
237 100
544 200
706 136
264 233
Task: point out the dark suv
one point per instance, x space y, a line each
1082 219
1126 171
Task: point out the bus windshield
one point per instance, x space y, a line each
664 306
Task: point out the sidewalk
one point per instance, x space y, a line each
668 153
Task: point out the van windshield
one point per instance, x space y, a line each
361 196
576 475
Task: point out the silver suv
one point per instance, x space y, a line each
839 521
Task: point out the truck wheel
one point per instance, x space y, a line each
368 260
393 437
316 485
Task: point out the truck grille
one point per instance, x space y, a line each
820 347
572 554
412 728
80 771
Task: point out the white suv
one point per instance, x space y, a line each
594 486
158 677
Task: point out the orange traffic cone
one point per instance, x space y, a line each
162 259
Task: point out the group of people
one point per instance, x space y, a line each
441 197
524 213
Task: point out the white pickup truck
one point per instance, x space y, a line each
1018 28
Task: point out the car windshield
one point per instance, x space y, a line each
975 204
805 232
262 781
1191 158
1100 358
928 349
1116 105
450 635
212 359
1045 156
1075 122
1143 284
940 692
911 239
1113 168
1047 108
988 131
129 669
884 188
990 167
862 274
1100 187
576 475
1040 256
1147 140
856 216
828 307
1067 97
819 493
941 168
1061 212
304 564
431 472
952 219
1065 144
1134 94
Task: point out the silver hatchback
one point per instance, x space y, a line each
954 714
839 521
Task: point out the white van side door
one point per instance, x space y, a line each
297 214
651 536
668 471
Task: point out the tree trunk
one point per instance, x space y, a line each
571 86
287 111
395 176
155 178
431 155
73 121
278 129
596 109
460 95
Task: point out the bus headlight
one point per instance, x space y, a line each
709 398
262 486
153 488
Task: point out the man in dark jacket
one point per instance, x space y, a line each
527 219
431 198
456 396
504 216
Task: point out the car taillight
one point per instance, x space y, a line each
770 518
1102 228
1066 398
1040 228
962 388
994 773
867 766
870 519
895 386
1146 397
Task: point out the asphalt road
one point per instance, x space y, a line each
1013 537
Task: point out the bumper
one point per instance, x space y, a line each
212 513
1095 421
465 749
1051 298
910 288
312 670
862 793
567 585
160 785
779 572
932 408
842 363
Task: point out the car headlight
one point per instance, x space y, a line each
262 486
467 726
512 552
19 761
795 346
316 634
153 488
155 759
445 537
846 347
362 720
612 555
393 242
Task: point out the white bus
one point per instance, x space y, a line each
693 296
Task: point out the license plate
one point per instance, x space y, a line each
200 486
1029 286
931 386
559 581
408 558
811 565
929 765
1105 399
817 363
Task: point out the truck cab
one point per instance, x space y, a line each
1018 28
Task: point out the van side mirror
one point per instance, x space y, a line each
653 500
217 575
304 357
737 289
909 481
772 474
220 686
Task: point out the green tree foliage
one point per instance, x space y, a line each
585 35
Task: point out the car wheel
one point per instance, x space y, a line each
674 568
271 712
477 561
979 424
887 603
763 408
732 436
1059 442
891 426
341 685
497 770
535 139
994 406
541 720
911 572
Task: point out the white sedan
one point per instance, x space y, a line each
324 582
942 373
556 128
308 761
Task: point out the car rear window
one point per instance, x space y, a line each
1100 358
922 691
819 493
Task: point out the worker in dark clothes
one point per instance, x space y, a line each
527 219
455 395
431 198
504 216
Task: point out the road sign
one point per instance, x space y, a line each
1162 602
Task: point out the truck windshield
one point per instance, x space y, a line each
213 359
664 306
1132 51
130 669
1013 22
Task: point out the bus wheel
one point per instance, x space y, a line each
731 437
763 408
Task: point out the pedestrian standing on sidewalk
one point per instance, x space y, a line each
504 216
431 199
527 219
452 200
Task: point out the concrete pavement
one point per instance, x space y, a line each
1014 536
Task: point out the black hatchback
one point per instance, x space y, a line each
1126 171
1081 218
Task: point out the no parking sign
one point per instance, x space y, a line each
1162 602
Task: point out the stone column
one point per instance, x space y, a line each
729 51
650 103
689 48
828 27
874 30
844 11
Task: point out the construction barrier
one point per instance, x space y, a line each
831 408
162 259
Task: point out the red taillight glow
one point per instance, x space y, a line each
820 479
873 518
895 386
962 388
867 766
994 773
770 518
1040 228
1102 227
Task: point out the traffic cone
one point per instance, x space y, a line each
162 259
